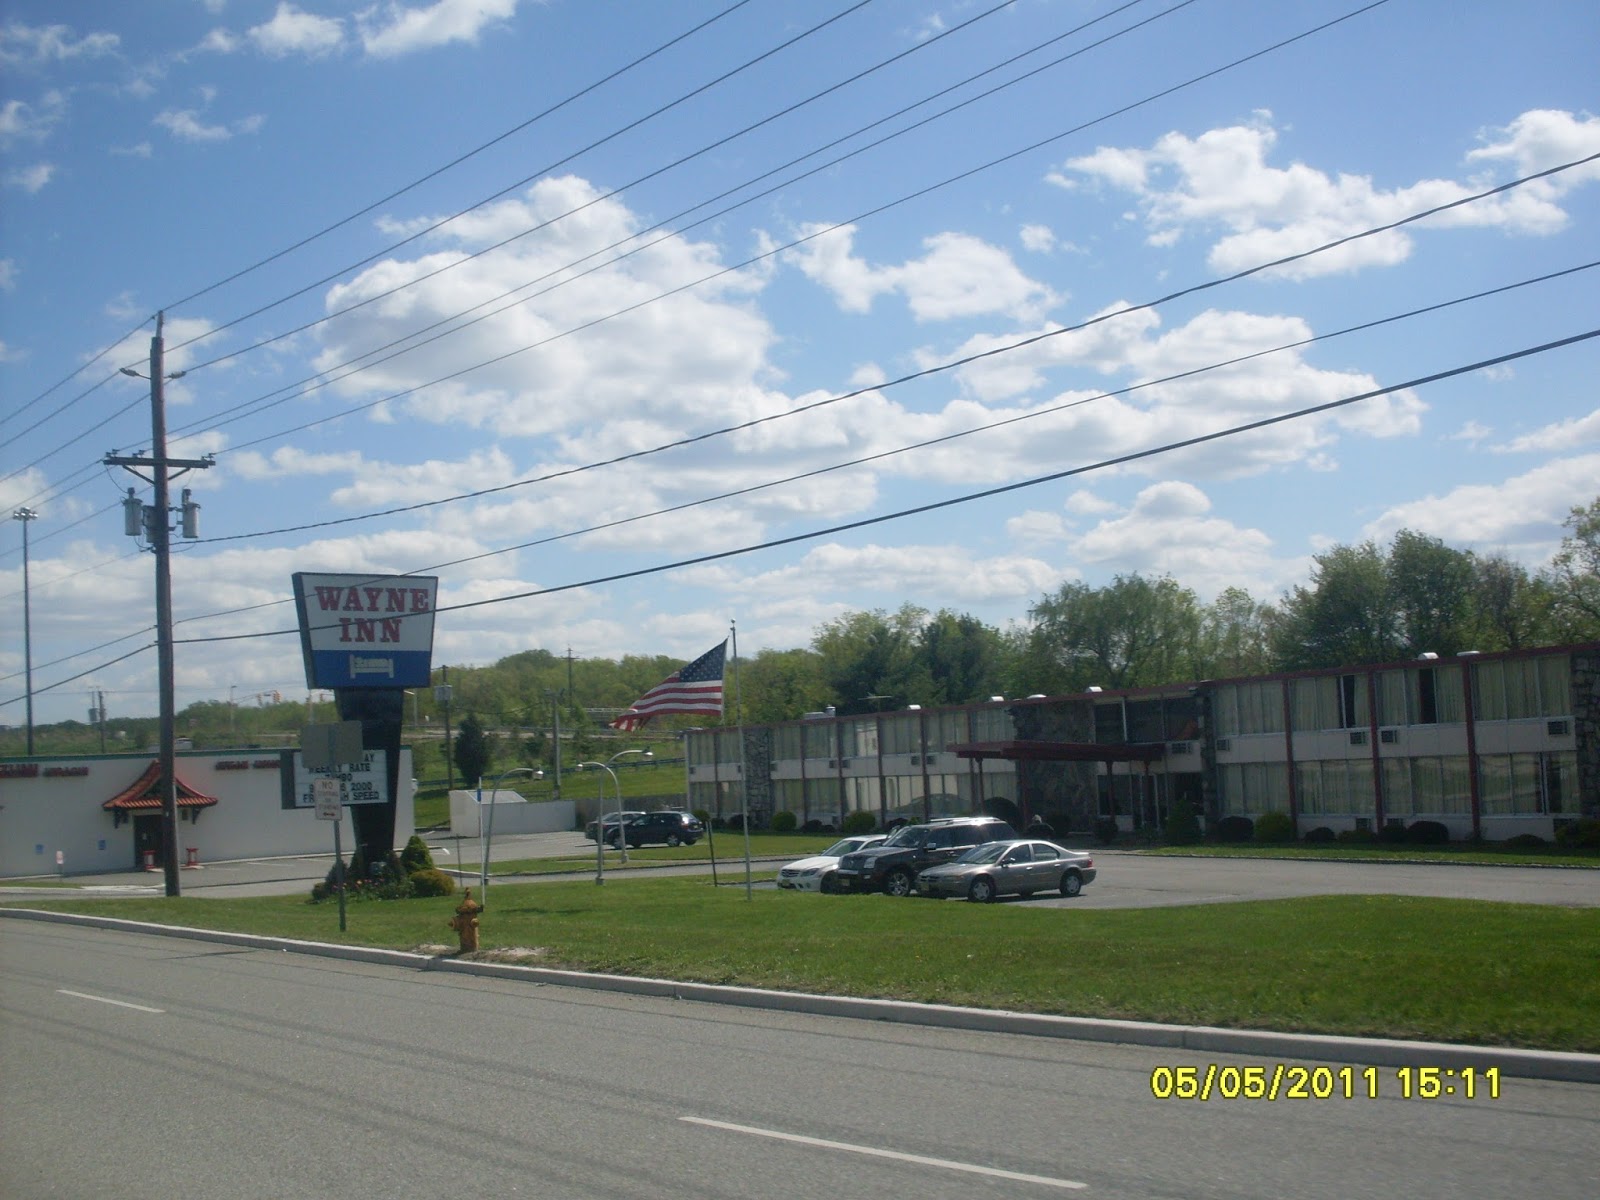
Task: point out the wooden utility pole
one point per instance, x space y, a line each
157 531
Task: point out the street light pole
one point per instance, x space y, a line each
600 823
488 836
25 515
622 842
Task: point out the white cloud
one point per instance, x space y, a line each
390 29
1041 239
31 179
1561 436
293 31
1222 179
52 43
1522 515
8 274
220 41
137 150
19 119
1169 531
960 276
186 125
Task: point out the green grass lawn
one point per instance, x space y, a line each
1386 966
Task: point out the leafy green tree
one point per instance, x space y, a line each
1575 575
780 685
868 658
1132 632
1236 635
1430 590
473 750
962 658
1343 617
1511 609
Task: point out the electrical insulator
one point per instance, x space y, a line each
132 515
191 516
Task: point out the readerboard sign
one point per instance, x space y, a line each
366 631
365 782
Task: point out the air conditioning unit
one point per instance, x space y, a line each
1224 743
1181 748
1561 728
1389 737
1358 737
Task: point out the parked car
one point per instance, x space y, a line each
669 828
1018 868
893 866
610 820
815 874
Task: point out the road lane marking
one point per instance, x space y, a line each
947 1164
107 1000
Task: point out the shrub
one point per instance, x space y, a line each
1274 827
703 817
1427 833
783 822
1525 841
1105 830
415 856
859 821
1321 834
1356 837
812 826
1393 833
1235 829
432 882
1582 834
1183 826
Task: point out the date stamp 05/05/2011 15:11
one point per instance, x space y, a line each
1284 1081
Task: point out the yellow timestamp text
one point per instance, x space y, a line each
1288 1081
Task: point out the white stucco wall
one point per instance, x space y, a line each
512 813
58 808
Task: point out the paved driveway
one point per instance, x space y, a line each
1149 881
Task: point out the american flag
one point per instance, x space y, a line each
694 690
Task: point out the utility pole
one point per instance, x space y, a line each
26 515
154 523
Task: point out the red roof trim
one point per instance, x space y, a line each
144 794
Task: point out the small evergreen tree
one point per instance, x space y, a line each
472 750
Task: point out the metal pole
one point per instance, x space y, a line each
25 515
488 837
161 543
744 767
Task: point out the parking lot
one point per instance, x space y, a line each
1126 880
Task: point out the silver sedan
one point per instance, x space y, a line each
1019 868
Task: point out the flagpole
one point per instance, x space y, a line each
744 766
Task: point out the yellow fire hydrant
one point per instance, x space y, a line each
465 922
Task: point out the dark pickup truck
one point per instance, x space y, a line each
893 866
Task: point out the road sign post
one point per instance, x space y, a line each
326 795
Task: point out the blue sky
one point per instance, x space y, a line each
585 231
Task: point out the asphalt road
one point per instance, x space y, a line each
140 1066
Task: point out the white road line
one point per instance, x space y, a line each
946 1163
105 1000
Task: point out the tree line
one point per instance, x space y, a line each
1362 603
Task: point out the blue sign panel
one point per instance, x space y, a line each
370 668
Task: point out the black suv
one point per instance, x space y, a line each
892 867
657 828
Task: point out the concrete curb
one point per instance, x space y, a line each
1202 1039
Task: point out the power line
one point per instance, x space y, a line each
415 183
325 377
859 4
926 372
986 493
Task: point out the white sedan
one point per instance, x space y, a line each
815 874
